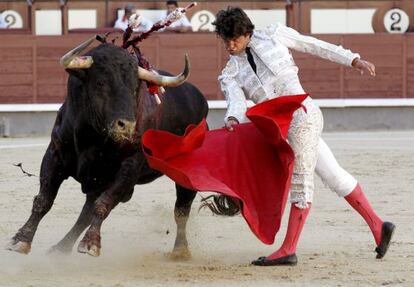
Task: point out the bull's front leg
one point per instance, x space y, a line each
83 221
182 210
52 174
125 180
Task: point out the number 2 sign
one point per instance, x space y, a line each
201 21
396 21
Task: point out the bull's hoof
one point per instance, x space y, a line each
92 250
91 243
19 246
82 247
180 254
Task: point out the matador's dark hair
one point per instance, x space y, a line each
233 23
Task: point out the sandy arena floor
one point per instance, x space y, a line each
336 248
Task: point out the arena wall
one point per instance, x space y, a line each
30 70
30 73
339 115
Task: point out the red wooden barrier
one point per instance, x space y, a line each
30 72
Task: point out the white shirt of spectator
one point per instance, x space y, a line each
122 23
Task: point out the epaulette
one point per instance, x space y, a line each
262 34
271 29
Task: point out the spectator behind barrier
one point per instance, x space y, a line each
180 26
122 22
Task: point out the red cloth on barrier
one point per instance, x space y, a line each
254 163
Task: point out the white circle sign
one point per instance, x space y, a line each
12 19
201 21
396 21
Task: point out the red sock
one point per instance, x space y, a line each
297 219
361 204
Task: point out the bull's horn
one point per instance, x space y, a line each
165 81
71 60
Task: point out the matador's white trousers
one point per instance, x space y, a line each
313 154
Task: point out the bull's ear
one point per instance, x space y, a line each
81 74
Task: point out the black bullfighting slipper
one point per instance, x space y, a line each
289 260
386 234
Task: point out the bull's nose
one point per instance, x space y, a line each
123 125
122 129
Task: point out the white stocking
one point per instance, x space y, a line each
331 173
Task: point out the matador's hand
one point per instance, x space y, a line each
231 121
362 65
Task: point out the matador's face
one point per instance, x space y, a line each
237 45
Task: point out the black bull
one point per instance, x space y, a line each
91 142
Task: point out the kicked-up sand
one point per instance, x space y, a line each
336 247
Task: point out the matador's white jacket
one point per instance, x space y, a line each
277 75
275 67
